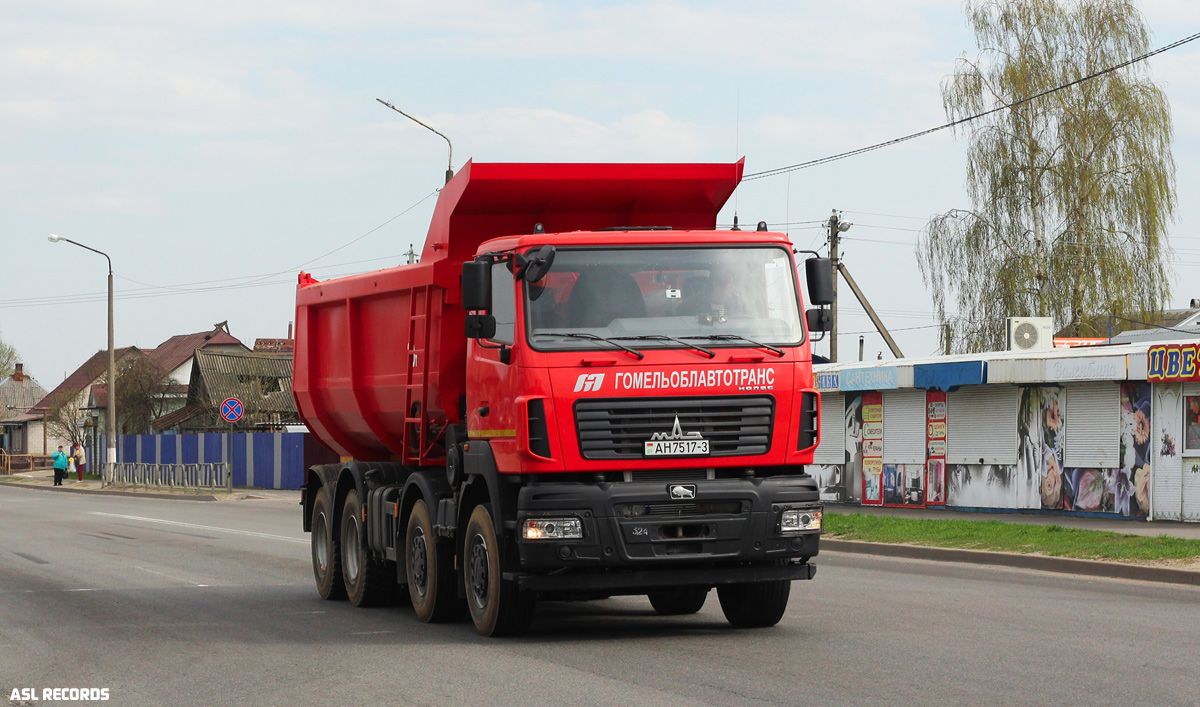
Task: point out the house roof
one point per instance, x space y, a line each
178 417
19 396
1101 325
174 352
85 374
262 381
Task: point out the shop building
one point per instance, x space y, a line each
1102 430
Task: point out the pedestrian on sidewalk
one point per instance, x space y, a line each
61 460
80 459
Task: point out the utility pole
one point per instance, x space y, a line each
836 227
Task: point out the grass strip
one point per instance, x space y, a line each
997 536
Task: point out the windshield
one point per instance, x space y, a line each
646 297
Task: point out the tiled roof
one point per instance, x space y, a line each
85 374
174 352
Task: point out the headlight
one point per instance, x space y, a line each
552 529
796 520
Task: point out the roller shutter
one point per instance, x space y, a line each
904 427
982 425
1092 426
832 449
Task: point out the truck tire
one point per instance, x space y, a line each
498 606
430 570
755 605
326 549
679 601
364 576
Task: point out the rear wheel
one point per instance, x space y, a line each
755 605
326 550
679 601
498 606
430 570
366 582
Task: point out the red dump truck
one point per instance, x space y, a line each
582 389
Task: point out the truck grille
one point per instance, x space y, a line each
619 429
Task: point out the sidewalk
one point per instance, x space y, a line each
1189 531
43 479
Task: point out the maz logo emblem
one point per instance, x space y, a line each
588 382
682 491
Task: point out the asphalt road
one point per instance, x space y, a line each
184 603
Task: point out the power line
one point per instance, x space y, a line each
155 291
960 121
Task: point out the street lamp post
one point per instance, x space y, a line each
110 426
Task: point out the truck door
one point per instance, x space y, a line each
491 382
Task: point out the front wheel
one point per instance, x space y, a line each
498 606
679 601
755 605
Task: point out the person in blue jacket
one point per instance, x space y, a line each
61 461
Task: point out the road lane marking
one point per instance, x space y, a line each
171 576
248 533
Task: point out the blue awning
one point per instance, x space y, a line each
949 376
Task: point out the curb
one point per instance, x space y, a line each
1090 568
103 492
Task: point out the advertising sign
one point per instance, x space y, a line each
872 445
1104 368
869 378
935 448
1170 363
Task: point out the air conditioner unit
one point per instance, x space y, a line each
1030 333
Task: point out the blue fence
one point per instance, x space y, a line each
258 459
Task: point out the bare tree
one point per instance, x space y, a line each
8 359
65 418
1071 193
141 394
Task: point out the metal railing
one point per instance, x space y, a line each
182 476
10 463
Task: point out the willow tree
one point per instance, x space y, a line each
1071 193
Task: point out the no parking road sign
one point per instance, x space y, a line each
231 409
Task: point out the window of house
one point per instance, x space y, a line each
1191 424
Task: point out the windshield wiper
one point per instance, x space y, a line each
593 337
664 337
738 337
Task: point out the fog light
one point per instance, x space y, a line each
552 529
796 520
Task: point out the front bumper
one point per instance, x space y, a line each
725 532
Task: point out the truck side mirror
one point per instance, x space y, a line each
538 265
480 326
819 273
477 285
819 319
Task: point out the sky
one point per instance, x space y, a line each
215 149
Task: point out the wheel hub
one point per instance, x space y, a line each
321 543
479 569
418 563
350 550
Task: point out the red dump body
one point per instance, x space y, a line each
380 360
